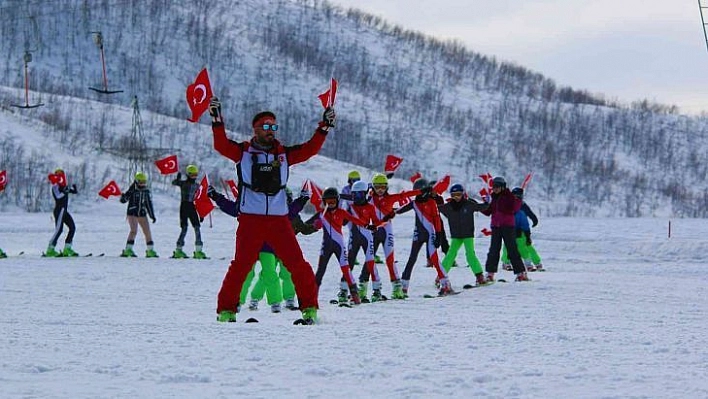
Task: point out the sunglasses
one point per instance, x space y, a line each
271 127
380 186
456 194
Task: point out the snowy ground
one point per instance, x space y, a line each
620 314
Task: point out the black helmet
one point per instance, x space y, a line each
330 193
420 184
518 192
498 182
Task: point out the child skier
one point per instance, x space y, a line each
427 232
383 202
502 209
331 220
459 211
362 238
139 208
527 251
60 192
188 213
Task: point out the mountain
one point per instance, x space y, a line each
442 107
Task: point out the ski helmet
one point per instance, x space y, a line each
330 193
354 175
360 186
498 182
192 170
420 184
379 178
457 188
141 177
58 171
518 192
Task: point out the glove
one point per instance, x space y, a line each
73 187
437 240
371 227
388 217
201 219
179 176
528 237
215 109
123 198
154 220
329 118
389 175
534 224
305 193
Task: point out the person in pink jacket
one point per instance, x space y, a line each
502 209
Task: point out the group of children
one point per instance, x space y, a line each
139 209
369 208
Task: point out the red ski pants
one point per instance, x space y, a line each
253 231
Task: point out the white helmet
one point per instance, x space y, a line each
360 186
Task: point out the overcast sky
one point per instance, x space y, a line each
624 49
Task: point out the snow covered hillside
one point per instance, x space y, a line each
619 314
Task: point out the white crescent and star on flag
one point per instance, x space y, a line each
194 94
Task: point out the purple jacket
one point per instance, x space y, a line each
502 209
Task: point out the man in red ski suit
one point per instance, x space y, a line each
263 169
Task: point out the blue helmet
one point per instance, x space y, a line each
457 188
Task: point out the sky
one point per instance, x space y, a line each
626 50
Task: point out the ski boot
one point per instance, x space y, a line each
200 255
3 255
540 268
363 286
490 278
480 279
522 277
275 308
150 253
437 283
354 295
253 305
51 252
343 296
377 260
397 290
290 304
226 316
309 317
507 267
376 296
445 287
178 253
68 252
128 253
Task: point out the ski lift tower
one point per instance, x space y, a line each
134 147
703 8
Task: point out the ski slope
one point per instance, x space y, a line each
620 314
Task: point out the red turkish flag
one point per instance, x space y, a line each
57 178
315 195
441 185
526 181
415 177
3 179
198 95
167 165
201 200
110 189
233 187
487 178
327 98
392 163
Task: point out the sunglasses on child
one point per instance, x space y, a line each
271 127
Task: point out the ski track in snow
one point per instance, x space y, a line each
620 314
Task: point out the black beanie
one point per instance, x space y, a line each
262 115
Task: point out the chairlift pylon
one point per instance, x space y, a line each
27 59
702 7
98 39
